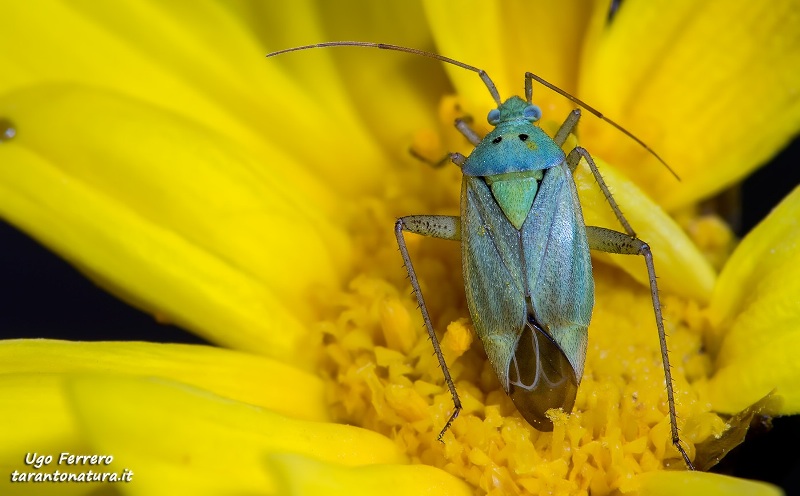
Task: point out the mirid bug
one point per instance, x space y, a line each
525 251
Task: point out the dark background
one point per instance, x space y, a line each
42 296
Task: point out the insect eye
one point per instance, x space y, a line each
493 117
531 113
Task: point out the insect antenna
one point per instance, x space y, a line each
385 46
529 76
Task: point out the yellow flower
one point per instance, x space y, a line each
251 202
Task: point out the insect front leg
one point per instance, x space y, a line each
567 127
437 226
462 124
436 164
464 128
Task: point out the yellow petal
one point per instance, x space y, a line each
506 40
554 47
238 376
712 87
178 439
168 215
393 94
699 483
299 475
199 61
680 267
35 420
386 95
755 315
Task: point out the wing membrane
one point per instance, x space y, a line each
493 277
558 266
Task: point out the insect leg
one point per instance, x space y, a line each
462 124
463 127
567 127
434 226
627 243
437 226
530 77
610 241
435 164
573 159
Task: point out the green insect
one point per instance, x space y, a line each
525 251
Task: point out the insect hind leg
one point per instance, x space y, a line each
627 243
438 226
611 241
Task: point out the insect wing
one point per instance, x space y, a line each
536 351
493 278
558 265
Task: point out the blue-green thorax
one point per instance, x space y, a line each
513 157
